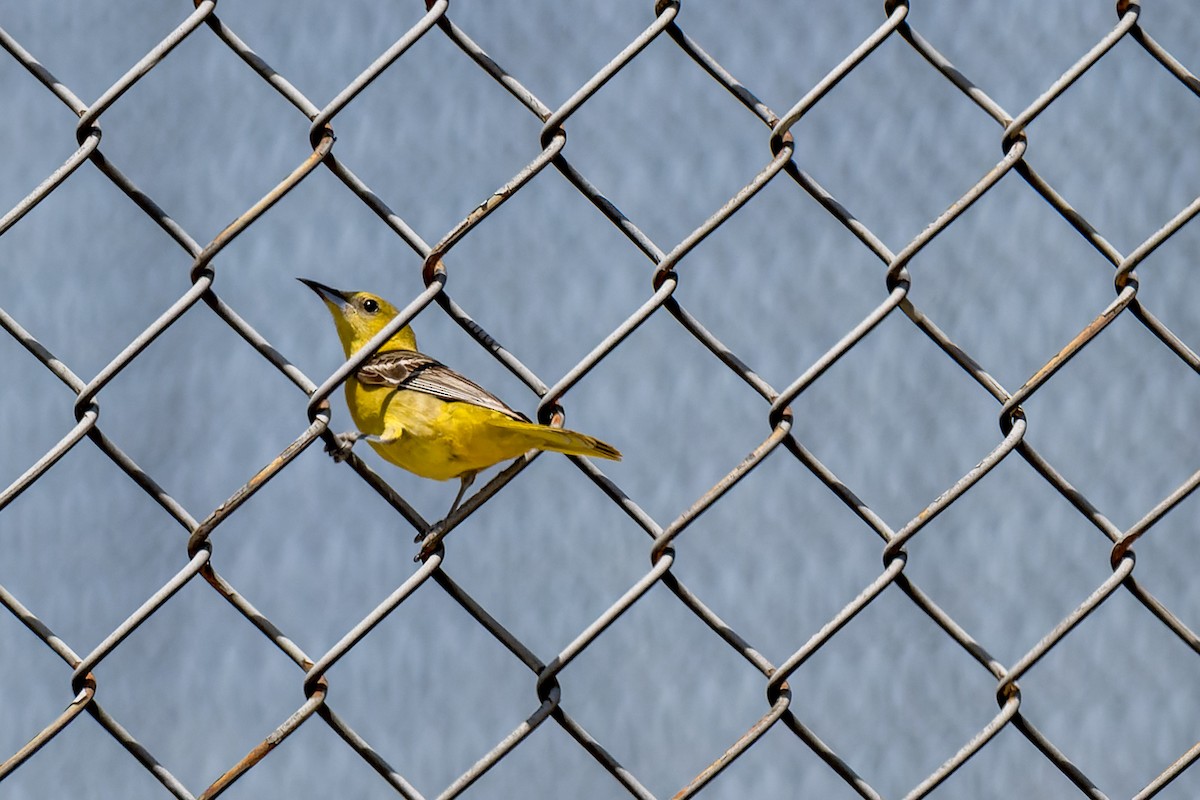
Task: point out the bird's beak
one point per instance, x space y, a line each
331 296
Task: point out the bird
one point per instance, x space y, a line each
421 415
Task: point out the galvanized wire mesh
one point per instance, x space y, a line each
783 163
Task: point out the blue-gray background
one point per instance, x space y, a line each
549 277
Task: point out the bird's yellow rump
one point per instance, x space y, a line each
423 416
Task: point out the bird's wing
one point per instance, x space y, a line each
408 369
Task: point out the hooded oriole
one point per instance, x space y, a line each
423 416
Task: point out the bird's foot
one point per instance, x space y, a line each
345 443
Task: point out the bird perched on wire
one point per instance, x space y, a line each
423 416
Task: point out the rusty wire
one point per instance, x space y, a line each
667 263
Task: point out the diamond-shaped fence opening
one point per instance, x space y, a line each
790 587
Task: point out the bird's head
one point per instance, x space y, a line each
359 316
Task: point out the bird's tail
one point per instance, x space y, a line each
561 440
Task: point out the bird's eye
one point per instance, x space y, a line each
370 306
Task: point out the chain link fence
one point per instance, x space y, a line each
783 167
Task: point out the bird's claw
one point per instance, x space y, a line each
341 449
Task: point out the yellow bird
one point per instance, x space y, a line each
423 416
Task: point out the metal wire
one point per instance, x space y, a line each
667 264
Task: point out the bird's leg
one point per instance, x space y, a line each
348 439
467 479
